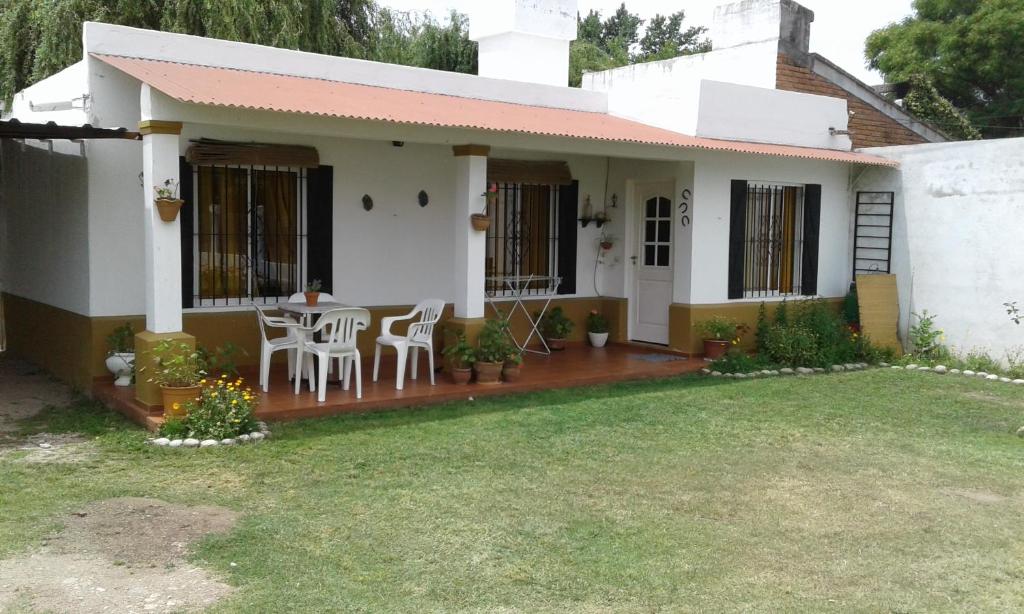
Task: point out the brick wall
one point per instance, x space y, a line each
869 127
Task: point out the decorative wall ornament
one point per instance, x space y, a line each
684 208
423 198
367 202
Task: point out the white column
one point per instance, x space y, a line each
163 239
470 245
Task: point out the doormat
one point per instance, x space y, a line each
656 357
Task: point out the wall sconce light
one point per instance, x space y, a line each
615 201
398 143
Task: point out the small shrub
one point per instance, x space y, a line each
736 360
596 323
121 340
462 355
851 309
178 365
925 335
811 334
493 344
224 409
719 328
555 324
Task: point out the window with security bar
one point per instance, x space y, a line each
773 239
249 234
523 237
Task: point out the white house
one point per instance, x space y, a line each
296 166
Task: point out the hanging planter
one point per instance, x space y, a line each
480 221
168 208
167 202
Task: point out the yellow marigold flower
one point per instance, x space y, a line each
202 381
214 395
176 405
234 401
223 375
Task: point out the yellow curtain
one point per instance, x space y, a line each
276 198
223 232
535 219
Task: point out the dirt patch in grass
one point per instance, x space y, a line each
26 391
49 448
994 399
978 496
119 555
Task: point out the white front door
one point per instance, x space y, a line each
653 264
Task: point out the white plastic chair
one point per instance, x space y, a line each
419 335
289 342
339 328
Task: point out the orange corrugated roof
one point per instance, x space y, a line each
241 89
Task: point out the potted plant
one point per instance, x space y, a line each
493 347
461 357
597 329
121 354
556 327
167 202
511 371
482 221
313 292
718 332
607 242
178 369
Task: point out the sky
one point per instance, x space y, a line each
838 32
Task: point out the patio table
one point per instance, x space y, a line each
306 312
516 287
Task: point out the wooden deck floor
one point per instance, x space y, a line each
578 365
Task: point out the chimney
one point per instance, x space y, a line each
756 21
524 40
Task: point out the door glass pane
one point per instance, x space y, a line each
649 235
663 255
663 231
652 207
664 207
648 255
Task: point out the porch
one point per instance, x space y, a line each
578 365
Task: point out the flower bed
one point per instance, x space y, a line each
223 414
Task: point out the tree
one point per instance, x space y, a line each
616 41
969 50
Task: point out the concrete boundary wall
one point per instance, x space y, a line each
958 238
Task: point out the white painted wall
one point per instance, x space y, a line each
744 113
45 208
957 236
713 174
524 40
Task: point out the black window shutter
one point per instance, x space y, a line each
186 219
812 224
568 212
737 236
319 226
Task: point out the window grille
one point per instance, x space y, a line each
249 234
872 239
774 237
523 237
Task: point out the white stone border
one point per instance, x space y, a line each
853 366
943 370
859 366
253 437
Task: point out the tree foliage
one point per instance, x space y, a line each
970 50
40 37
616 41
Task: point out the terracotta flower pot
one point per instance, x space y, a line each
488 372
715 348
556 345
461 376
312 298
168 208
180 396
510 372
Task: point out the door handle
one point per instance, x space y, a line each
633 259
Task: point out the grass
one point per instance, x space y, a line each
874 491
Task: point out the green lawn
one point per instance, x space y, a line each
875 491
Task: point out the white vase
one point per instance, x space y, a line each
120 365
598 340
